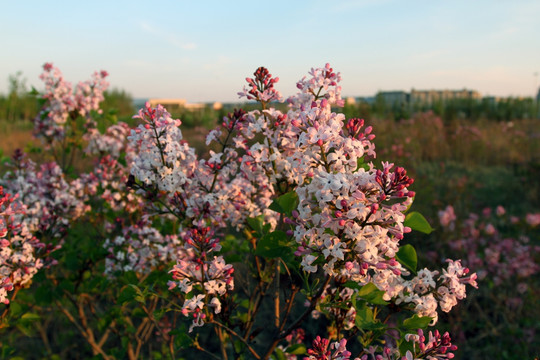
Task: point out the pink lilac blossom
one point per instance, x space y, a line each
493 254
447 217
89 94
533 219
343 214
437 346
109 177
197 271
261 87
61 103
107 181
19 249
322 349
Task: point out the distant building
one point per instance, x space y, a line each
350 101
173 105
366 99
430 97
424 97
394 98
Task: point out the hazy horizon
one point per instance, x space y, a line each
202 52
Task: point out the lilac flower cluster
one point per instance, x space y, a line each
485 247
350 216
322 349
197 272
437 346
19 261
50 202
62 103
141 248
426 291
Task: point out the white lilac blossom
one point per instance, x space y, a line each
141 249
112 143
429 290
50 201
213 190
163 158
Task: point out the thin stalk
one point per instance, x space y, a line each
234 333
298 321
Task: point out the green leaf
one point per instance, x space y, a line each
15 309
273 245
352 285
418 222
364 316
365 319
44 295
297 349
256 223
67 286
360 164
372 294
72 261
130 293
130 277
405 346
407 257
416 322
285 204
279 354
127 295
139 294
30 317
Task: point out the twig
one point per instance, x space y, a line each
200 348
234 333
298 321
95 347
290 303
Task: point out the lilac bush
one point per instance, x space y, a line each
287 222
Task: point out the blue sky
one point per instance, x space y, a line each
203 50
